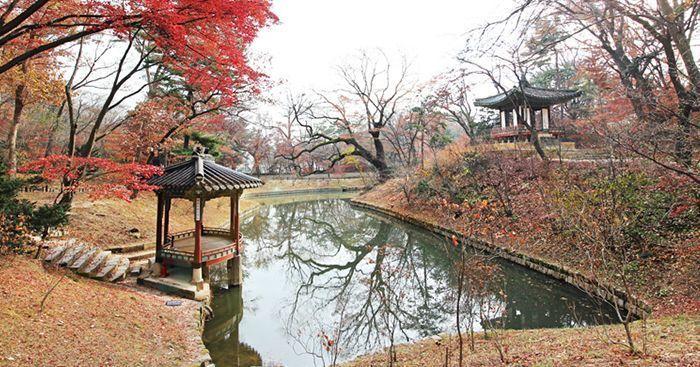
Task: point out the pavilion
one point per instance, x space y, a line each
524 106
200 179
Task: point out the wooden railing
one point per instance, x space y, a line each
171 252
502 132
206 231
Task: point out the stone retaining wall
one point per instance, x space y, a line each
591 286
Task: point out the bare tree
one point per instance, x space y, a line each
498 66
354 116
452 100
647 46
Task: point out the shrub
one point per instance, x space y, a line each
20 219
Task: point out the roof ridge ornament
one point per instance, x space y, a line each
199 175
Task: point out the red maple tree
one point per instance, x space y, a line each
98 177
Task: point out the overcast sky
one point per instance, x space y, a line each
314 36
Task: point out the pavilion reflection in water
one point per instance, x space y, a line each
222 333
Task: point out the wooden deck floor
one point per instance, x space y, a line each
209 242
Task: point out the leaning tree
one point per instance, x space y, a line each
350 122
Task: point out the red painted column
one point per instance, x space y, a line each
232 220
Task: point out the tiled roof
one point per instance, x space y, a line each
201 172
535 97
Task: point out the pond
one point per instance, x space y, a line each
324 282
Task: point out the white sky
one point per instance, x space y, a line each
315 36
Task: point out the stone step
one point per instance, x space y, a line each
55 252
140 255
94 263
120 271
135 265
107 266
83 259
70 254
132 247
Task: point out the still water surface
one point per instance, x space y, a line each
322 267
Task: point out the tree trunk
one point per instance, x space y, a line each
14 125
684 150
535 140
380 158
52 133
682 43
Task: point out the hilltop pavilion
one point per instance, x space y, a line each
529 105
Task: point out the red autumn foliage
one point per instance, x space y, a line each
99 177
204 40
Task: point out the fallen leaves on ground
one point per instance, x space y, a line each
671 341
87 322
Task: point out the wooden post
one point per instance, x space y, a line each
233 266
166 226
237 227
197 265
234 224
159 230
232 220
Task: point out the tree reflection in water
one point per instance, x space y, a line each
360 282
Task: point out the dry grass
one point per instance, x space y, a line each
86 322
106 223
671 341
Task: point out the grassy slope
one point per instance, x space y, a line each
671 341
86 322
107 222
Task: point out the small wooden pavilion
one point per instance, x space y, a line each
523 105
200 179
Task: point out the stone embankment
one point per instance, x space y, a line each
591 286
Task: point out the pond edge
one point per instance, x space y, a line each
591 286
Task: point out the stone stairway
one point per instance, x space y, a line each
88 260
139 254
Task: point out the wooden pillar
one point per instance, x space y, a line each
545 119
234 223
233 266
159 229
197 264
528 116
166 225
503 119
